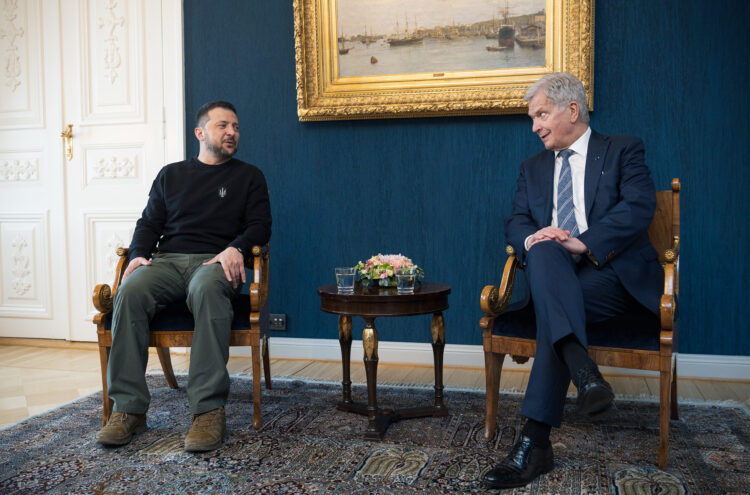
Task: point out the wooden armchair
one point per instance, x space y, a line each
642 341
173 326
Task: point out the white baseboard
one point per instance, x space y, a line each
688 365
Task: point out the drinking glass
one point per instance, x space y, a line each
405 278
345 280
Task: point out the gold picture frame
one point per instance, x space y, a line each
324 95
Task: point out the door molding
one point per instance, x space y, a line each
174 80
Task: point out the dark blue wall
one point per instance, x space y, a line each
437 190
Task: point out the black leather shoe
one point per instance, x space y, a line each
594 393
525 462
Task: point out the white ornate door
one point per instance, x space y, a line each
33 264
113 98
112 92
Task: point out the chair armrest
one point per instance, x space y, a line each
102 298
494 300
122 265
668 305
258 262
103 293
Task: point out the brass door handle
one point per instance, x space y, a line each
67 136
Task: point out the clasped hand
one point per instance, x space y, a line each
572 244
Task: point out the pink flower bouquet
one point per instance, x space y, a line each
378 270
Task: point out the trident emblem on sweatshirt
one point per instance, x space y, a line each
222 192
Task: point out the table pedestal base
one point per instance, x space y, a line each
379 419
384 417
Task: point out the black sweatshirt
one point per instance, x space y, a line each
198 208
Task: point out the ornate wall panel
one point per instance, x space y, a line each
20 166
112 62
105 232
25 281
108 163
21 60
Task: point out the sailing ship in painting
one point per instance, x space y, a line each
343 49
505 34
406 39
367 38
507 31
493 29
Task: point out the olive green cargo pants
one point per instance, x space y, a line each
148 289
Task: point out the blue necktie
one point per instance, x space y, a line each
566 218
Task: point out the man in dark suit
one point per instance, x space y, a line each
578 225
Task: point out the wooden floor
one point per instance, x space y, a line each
35 379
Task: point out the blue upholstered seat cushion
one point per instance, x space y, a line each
177 317
638 329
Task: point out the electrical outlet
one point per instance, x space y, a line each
278 322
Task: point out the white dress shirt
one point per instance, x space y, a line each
578 174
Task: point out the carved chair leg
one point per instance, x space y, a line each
166 365
106 401
266 363
674 413
493 365
256 358
664 395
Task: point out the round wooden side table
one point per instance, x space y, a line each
371 303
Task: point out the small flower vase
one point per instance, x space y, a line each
377 283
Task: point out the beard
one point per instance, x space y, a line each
219 151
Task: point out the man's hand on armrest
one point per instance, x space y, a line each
233 263
135 263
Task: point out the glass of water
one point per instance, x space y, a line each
345 280
405 278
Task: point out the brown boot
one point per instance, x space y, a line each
120 428
207 431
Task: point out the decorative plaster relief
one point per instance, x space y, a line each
112 38
21 62
25 280
21 280
19 170
113 162
9 31
114 167
109 24
111 258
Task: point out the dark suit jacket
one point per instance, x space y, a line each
620 203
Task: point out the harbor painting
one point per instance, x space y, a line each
380 59
382 37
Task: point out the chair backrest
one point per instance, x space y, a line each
665 227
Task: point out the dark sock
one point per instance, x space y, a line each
574 355
538 432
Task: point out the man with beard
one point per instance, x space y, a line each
202 215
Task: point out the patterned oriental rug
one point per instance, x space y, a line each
307 446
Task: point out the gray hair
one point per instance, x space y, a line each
561 88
